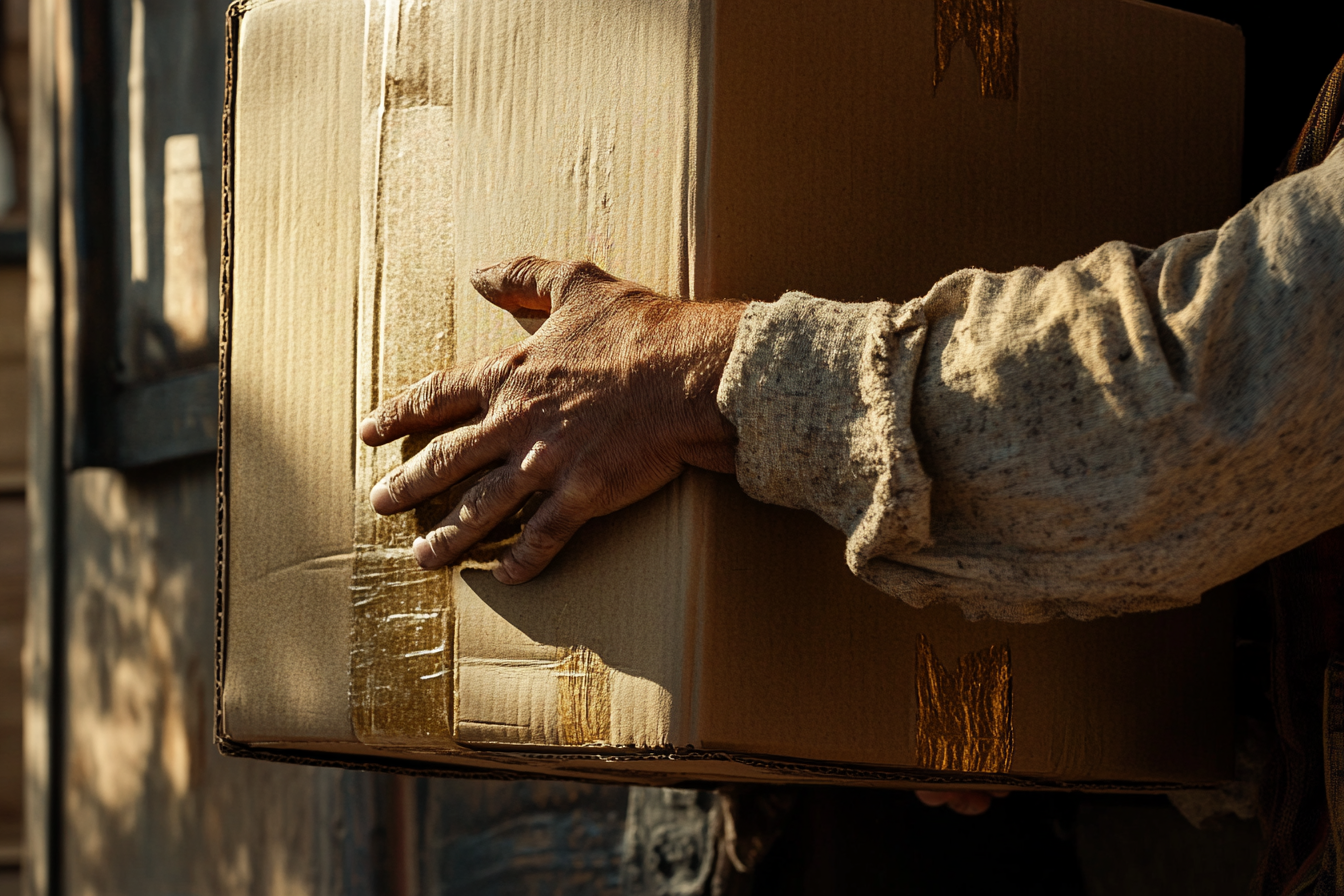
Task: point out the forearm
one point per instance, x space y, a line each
1122 432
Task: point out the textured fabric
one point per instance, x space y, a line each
834 435
1120 433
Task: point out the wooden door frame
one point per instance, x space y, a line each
43 720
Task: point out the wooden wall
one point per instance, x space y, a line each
13 585
126 793
13 442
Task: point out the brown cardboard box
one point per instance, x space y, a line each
706 149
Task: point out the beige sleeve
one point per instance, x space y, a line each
1120 433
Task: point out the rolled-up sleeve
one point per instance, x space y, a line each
1120 433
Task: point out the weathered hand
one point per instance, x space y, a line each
962 802
608 401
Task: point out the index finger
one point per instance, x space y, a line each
440 399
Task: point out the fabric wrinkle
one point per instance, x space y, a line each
1083 441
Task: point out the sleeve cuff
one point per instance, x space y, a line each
820 394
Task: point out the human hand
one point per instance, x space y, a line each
962 802
607 402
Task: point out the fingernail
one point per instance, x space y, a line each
368 429
381 497
424 554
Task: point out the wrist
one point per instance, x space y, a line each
710 330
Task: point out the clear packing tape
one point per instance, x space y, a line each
989 29
965 721
401 672
401 650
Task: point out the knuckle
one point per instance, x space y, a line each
538 461
440 540
543 537
566 278
518 564
495 372
528 556
579 277
439 456
481 498
550 532
471 506
419 401
509 414
569 274
397 485
519 271
584 270
580 491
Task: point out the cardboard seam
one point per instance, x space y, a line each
697 593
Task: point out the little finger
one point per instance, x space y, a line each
549 530
485 505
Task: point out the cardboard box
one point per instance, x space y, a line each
857 150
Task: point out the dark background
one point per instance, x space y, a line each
1290 50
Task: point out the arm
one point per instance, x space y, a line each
1120 433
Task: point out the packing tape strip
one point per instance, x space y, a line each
404 618
401 652
965 719
989 28
401 644
583 683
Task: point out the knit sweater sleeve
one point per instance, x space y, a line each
1119 433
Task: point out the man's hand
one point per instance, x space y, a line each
607 402
962 802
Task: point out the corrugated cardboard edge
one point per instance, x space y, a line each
517 765
232 19
682 772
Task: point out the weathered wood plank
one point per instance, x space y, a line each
167 420
497 839
45 496
151 806
13 598
13 378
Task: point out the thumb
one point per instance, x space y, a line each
535 287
